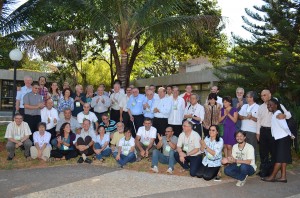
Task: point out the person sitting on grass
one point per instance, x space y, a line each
41 139
17 135
144 140
66 149
101 146
212 146
119 134
242 161
85 141
168 143
126 149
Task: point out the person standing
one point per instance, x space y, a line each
238 102
115 99
169 90
215 89
54 95
87 114
43 91
65 102
79 100
49 115
187 94
27 88
147 105
124 116
100 103
211 113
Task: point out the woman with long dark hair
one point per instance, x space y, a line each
211 113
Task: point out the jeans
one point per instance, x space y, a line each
105 153
191 162
125 159
53 142
239 172
157 156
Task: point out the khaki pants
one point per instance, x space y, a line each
34 152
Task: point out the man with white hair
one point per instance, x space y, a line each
79 100
20 94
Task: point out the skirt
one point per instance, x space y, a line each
283 150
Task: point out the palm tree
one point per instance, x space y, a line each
125 25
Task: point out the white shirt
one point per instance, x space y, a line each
41 140
155 96
103 141
99 106
164 107
83 134
123 103
91 117
196 110
17 132
115 99
279 127
169 96
220 100
189 143
20 94
177 111
126 145
247 153
249 125
51 115
146 136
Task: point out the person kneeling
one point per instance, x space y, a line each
42 147
126 149
169 145
242 161
101 147
212 146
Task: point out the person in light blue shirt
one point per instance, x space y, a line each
20 94
135 110
212 146
147 105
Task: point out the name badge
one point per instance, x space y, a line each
55 103
77 104
17 137
65 147
175 107
133 104
148 110
125 152
186 147
168 148
209 156
146 142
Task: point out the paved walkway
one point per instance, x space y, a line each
98 181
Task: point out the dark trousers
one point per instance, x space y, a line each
138 122
177 129
205 131
85 141
115 115
99 115
22 111
32 121
160 124
191 162
207 173
53 133
266 145
198 129
126 119
60 153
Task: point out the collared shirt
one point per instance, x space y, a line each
169 96
48 117
264 116
83 134
135 104
155 96
90 116
279 127
104 140
115 99
78 107
123 103
148 113
99 106
116 138
20 94
186 97
111 128
249 125
17 132
32 99
165 145
66 104
126 145
42 139
164 107
145 135
247 153
44 93
196 110
189 143
73 123
213 160
177 111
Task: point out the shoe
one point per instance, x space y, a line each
154 169
170 171
267 180
9 158
238 183
244 181
138 159
80 160
281 180
87 160
120 166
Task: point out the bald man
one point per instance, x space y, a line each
264 135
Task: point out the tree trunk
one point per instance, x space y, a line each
122 73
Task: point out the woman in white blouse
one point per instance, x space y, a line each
101 146
212 146
282 135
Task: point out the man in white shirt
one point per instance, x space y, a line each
263 132
144 139
147 105
17 135
188 149
215 89
20 94
169 91
100 103
161 109
115 99
248 117
87 114
124 116
49 115
177 111
85 141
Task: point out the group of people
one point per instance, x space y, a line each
163 127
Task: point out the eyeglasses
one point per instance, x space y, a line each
168 131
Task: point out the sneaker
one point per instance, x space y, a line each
238 183
87 160
80 160
154 169
9 158
120 166
170 171
244 181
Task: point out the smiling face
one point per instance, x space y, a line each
240 138
239 93
213 132
226 104
265 95
101 130
67 128
272 107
